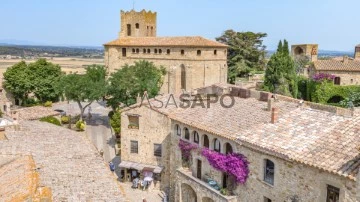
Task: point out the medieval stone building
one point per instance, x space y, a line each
191 62
297 151
345 69
357 52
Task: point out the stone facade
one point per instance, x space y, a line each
357 52
308 50
292 180
138 24
346 77
199 71
153 129
190 62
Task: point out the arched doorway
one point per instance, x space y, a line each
183 77
188 194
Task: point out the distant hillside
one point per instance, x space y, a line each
325 53
50 51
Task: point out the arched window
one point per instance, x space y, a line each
148 51
137 26
215 52
206 141
198 53
160 51
152 31
168 51
187 134
137 50
182 52
178 130
196 137
217 145
228 148
155 51
183 77
133 50
269 171
144 51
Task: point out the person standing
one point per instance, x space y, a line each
112 166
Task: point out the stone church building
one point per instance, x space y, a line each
191 62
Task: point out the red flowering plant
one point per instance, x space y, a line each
233 164
320 77
186 149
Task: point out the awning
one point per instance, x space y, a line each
140 166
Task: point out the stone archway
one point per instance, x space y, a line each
188 194
207 199
299 51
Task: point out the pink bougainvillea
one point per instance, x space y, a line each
319 77
186 149
232 164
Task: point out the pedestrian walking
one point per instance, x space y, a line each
112 166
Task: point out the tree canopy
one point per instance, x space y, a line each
280 74
85 88
246 52
132 80
40 78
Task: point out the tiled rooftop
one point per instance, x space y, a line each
318 138
19 180
34 113
336 65
195 41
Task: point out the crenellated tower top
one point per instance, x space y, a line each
138 24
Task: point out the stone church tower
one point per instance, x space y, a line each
191 62
138 24
357 52
308 50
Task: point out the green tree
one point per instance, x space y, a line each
85 88
245 53
280 75
44 78
17 81
132 80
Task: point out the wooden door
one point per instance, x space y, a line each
198 173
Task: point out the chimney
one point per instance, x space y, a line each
346 59
274 115
138 98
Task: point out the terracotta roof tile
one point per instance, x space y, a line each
336 65
317 138
195 41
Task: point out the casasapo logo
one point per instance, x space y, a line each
189 101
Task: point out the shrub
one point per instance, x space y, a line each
115 121
48 104
65 119
1 114
224 191
51 119
80 125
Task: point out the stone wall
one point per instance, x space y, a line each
153 129
200 71
346 77
292 180
146 23
309 50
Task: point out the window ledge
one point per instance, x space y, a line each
265 183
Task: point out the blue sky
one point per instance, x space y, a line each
333 24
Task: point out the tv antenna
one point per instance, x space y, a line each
133 4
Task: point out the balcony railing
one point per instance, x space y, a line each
187 174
